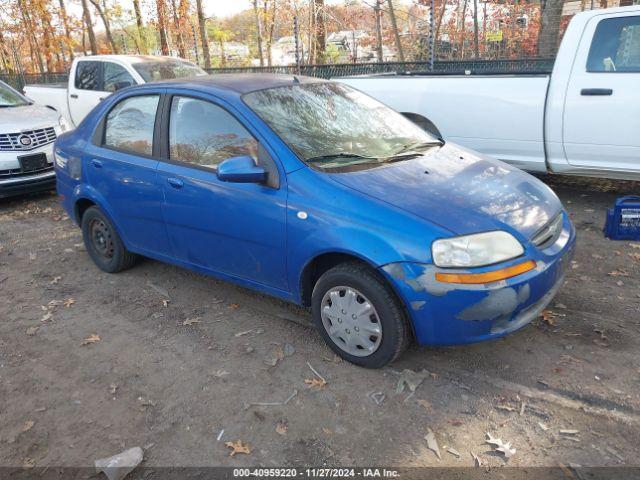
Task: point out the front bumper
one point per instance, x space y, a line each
450 314
14 182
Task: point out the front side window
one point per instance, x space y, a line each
166 69
330 125
205 134
129 126
116 77
88 75
616 46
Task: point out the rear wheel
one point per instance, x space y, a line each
104 245
359 316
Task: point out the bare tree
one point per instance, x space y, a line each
319 32
549 27
203 35
104 15
65 23
396 33
378 15
86 16
256 14
143 41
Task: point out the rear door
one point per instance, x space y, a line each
122 168
237 229
93 82
601 115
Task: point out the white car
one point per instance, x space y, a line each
94 78
582 118
27 133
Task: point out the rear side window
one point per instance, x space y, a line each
116 77
616 46
205 134
88 75
129 125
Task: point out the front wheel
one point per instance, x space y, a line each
359 316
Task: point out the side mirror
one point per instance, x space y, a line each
424 123
241 170
120 85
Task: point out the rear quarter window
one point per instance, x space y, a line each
88 75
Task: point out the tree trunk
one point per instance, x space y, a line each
107 26
319 34
396 33
203 35
377 12
143 41
31 38
67 30
270 21
161 8
550 19
86 16
462 28
177 25
256 14
476 40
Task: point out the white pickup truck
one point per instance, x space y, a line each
583 118
92 79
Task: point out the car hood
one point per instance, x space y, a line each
28 117
461 191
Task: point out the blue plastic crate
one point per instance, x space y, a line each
623 220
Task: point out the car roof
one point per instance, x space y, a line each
239 83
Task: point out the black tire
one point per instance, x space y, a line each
391 314
103 243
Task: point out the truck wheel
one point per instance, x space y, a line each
359 316
103 243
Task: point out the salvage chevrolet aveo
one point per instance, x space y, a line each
315 193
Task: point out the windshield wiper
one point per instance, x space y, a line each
332 156
413 147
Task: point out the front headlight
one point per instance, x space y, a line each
64 126
475 250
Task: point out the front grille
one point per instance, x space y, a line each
17 173
32 139
548 234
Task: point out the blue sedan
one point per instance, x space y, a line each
315 193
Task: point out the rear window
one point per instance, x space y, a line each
616 46
153 71
88 75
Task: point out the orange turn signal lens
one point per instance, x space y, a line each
486 277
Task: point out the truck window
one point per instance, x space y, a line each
616 46
116 77
88 75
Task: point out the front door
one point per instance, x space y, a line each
237 229
123 170
601 116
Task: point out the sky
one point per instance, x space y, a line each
225 8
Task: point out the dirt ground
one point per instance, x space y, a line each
172 361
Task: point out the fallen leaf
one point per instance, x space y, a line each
327 431
500 446
238 447
93 338
233 306
46 317
31 331
165 302
548 317
245 332
618 273
569 432
453 452
317 383
476 460
113 388
635 256
28 463
543 426
432 443
411 379
191 321
68 302
424 404
28 425
33 256
634 245
281 428
219 373
55 280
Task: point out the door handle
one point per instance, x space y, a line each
592 92
96 163
175 182
73 95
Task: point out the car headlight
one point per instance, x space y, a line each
64 126
476 250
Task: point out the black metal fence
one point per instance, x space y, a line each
477 67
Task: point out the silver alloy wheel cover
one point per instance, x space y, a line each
348 318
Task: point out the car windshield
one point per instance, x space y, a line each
10 98
167 69
331 126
